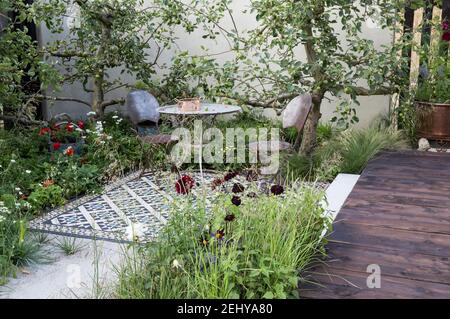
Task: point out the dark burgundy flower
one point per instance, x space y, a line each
236 200
237 188
446 36
445 25
216 183
230 218
277 189
230 176
81 125
184 184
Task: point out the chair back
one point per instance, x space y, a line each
296 112
143 111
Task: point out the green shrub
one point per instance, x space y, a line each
16 249
260 254
43 197
347 152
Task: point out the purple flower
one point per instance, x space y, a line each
423 71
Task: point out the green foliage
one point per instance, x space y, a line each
69 245
16 249
434 73
260 256
51 196
347 152
20 61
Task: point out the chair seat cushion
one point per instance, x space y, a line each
160 139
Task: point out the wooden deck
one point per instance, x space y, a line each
397 217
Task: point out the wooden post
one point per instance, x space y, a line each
395 98
417 37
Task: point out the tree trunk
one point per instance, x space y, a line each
310 131
99 96
99 91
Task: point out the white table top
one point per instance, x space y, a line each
205 109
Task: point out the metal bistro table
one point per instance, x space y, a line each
206 109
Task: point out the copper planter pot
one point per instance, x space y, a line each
433 121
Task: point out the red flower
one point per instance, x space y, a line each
81 124
44 130
56 146
69 151
184 185
445 25
69 127
446 36
48 183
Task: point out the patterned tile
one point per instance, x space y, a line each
145 200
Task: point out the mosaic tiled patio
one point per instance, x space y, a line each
144 200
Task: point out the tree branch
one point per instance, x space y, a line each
69 54
362 91
112 102
267 103
59 98
21 120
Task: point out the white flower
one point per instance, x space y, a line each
88 131
115 117
13 161
176 264
28 171
135 232
17 189
3 209
109 137
91 113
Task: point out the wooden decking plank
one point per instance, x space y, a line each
422 223
392 262
339 283
403 197
372 236
413 183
